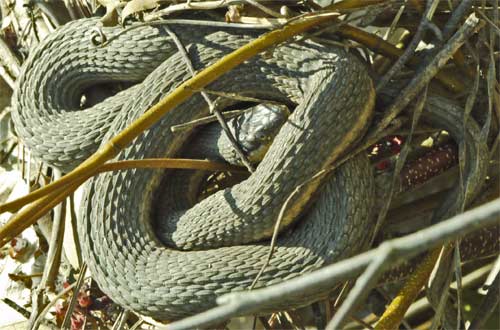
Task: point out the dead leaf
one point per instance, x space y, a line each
111 16
137 6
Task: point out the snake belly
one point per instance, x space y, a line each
218 245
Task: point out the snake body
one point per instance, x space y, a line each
216 246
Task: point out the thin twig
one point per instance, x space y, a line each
55 245
12 304
212 105
72 302
279 220
419 106
437 292
265 9
44 312
323 280
422 78
457 259
137 324
490 22
52 262
390 31
74 231
205 120
457 15
11 62
361 288
409 50
177 163
122 319
237 97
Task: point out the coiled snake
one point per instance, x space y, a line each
216 246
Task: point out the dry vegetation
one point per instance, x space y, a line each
414 50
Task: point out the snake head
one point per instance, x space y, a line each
255 130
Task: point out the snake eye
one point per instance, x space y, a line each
260 136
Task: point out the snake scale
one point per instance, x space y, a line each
217 246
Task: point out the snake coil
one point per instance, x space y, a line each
216 246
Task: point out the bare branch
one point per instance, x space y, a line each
323 280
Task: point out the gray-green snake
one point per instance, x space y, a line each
218 245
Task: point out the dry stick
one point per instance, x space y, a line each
395 312
323 280
397 17
137 324
409 50
490 22
437 292
11 63
73 300
355 4
361 322
12 304
41 316
457 259
264 8
122 319
238 97
495 86
469 104
380 46
370 277
184 91
226 114
457 15
55 245
209 5
52 263
361 288
178 163
204 120
31 214
422 78
73 222
212 106
8 153
205 5
464 189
